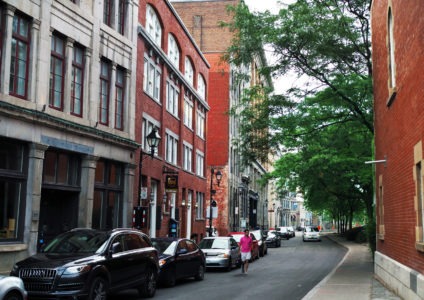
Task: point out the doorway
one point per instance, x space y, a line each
58 214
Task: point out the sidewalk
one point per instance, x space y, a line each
353 278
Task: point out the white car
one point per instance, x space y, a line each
12 288
311 233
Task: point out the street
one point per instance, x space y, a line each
288 272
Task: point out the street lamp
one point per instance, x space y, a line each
265 205
153 139
212 191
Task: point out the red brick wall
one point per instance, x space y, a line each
152 168
399 126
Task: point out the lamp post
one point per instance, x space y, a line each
212 191
153 139
265 205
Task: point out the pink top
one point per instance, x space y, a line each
246 243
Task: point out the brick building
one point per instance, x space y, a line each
240 199
172 81
397 43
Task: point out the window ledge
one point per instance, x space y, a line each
13 247
419 246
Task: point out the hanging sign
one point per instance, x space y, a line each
171 183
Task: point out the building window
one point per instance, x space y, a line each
152 78
77 81
19 62
200 122
108 190
122 16
200 164
12 188
200 204
2 27
153 27
173 51
61 169
171 148
147 128
119 99
188 112
201 86
188 157
57 72
104 92
108 12
172 98
391 45
189 73
420 201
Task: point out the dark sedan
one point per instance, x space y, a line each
273 240
179 258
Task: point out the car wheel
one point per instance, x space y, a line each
230 265
171 279
98 289
148 289
13 296
200 273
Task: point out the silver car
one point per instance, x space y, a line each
221 252
12 288
311 233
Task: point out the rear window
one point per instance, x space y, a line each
214 244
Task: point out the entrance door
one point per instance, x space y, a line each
58 213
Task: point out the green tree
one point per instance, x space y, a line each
323 127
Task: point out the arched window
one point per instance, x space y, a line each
391 50
173 51
201 86
153 25
189 73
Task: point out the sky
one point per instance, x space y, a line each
273 6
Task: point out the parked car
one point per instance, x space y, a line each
179 258
255 248
284 232
221 252
12 288
88 263
311 233
259 235
272 239
290 229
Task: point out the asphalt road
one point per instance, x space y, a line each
288 272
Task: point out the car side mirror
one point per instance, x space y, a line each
116 248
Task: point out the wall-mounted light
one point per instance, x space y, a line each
183 203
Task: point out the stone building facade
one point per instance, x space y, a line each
67 106
397 28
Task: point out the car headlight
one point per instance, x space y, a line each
77 270
223 255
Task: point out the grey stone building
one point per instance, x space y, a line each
67 110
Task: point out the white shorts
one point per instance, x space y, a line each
245 256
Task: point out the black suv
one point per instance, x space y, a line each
89 264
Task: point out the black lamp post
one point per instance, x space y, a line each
153 139
265 205
212 202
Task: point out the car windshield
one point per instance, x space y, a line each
257 234
237 237
77 242
213 244
312 229
271 235
165 246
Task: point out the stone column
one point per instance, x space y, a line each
33 196
85 206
